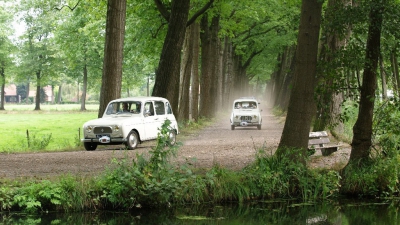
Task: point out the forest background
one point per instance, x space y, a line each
308 58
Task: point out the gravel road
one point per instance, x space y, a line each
216 144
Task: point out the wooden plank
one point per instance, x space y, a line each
318 134
318 141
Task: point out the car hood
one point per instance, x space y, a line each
245 111
113 120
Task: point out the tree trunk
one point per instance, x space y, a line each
59 97
195 73
395 69
84 89
113 53
362 130
214 65
227 73
383 78
286 74
167 74
301 105
27 92
37 103
205 79
186 70
2 92
330 99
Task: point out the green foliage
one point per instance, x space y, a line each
226 185
39 143
348 117
6 197
386 127
144 181
280 177
378 178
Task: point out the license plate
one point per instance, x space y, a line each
104 139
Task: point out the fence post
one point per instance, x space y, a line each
27 138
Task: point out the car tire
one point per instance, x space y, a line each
259 127
232 127
132 140
90 146
172 137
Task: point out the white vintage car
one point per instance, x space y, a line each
246 112
130 121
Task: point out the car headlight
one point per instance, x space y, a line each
237 117
255 117
116 128
89 129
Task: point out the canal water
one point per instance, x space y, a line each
255 213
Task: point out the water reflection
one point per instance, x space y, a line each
283 212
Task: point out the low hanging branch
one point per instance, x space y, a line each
72 9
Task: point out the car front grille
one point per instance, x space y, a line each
102 130
245 118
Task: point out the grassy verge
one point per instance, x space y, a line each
54 128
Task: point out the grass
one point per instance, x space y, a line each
60 124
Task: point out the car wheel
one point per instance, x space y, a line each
172 137
90 146
132 140
232 127
259 127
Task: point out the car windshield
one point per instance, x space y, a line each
132 107
245 105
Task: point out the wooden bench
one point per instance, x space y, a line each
318 141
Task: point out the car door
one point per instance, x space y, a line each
160 112
151 121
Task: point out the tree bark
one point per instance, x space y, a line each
362 130
301 105
27 92
331 98
205 79
84 89
195 73
214 65
37 101
2 92
186 70
167 74
113 53
383 78
59 97
395 69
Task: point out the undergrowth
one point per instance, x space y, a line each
153 181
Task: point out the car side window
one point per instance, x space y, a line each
160 109
169 109
111 109
148 109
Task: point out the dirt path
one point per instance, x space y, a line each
215 144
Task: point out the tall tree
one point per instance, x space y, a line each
362 130
167 73
186 70
195 80
78 37
38 47
330 92
5 51
113 53
301 104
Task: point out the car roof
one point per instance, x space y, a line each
139 98
245 99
